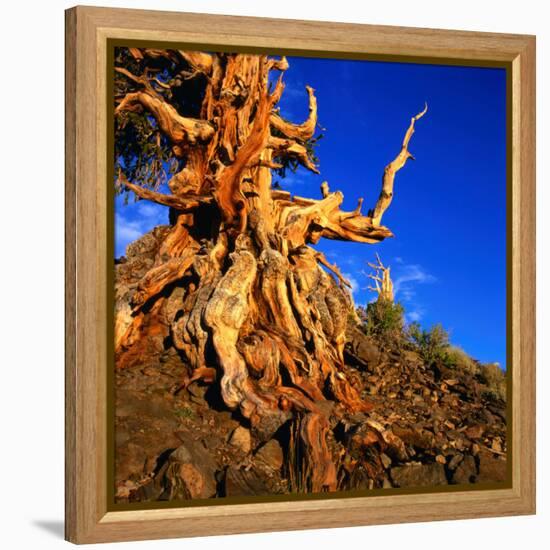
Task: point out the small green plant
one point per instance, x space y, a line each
432 344
185 412
383 320
495 380
457 358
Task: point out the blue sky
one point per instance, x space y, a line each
448 256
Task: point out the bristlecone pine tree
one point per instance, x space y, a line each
255 311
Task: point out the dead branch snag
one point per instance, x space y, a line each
382 280
302 131
182 203
386 194
180 130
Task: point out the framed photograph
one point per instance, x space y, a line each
300 274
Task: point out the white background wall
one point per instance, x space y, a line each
31 272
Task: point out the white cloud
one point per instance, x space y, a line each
127 230
404 288
150 210
353 282
407 294
294 105
295 90
290 179
134 220
341 260
301 178
414 315
408 276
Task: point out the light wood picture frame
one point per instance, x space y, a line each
89 517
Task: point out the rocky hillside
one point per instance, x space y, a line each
432 422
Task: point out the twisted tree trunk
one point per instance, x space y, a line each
257 314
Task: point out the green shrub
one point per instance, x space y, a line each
185 412
495 380
432 345
457 358
383 320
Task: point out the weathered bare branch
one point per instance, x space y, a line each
334 268
382 276
290 148
386 194
180 130
302 131
304 220
278 64
199 61
179 202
